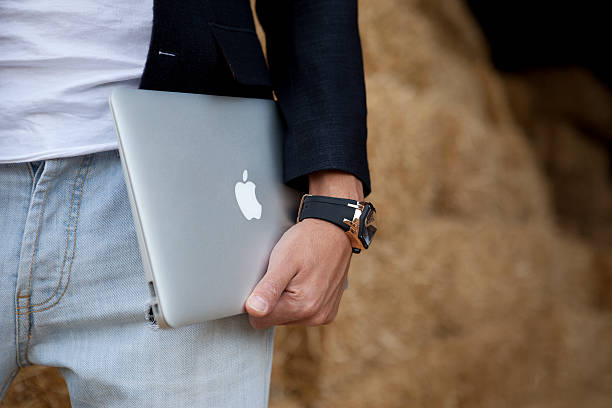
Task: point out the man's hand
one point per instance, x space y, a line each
308 267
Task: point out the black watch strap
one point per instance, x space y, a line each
334 210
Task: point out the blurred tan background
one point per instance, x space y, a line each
490 282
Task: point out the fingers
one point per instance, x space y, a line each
268 291
305 278
286 310
324 315
298 308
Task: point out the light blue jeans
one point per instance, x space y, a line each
73 295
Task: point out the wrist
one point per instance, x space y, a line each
356 219
335 183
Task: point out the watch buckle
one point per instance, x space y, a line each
353 232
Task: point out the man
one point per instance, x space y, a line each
72 292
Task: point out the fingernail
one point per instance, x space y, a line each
257 303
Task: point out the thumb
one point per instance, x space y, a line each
269 289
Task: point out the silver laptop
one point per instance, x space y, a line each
204 176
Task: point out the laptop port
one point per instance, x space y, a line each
152 290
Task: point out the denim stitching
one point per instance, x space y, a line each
59 282
30 312
42 210
76 223
28 341
7 383
29 167
27 297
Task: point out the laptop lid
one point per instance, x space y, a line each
204 175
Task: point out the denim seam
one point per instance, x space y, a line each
76 223
7 383
70 217
28 296
42 210
29 167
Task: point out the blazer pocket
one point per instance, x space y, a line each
242 52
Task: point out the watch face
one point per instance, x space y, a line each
368 226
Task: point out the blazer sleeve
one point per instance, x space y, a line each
315 60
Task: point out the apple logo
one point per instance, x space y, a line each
245 196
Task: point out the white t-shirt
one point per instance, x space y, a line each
59 61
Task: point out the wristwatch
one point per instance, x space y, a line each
356 218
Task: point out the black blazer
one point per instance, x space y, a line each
315 70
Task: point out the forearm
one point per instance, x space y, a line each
334 183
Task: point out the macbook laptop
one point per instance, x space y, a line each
204 176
